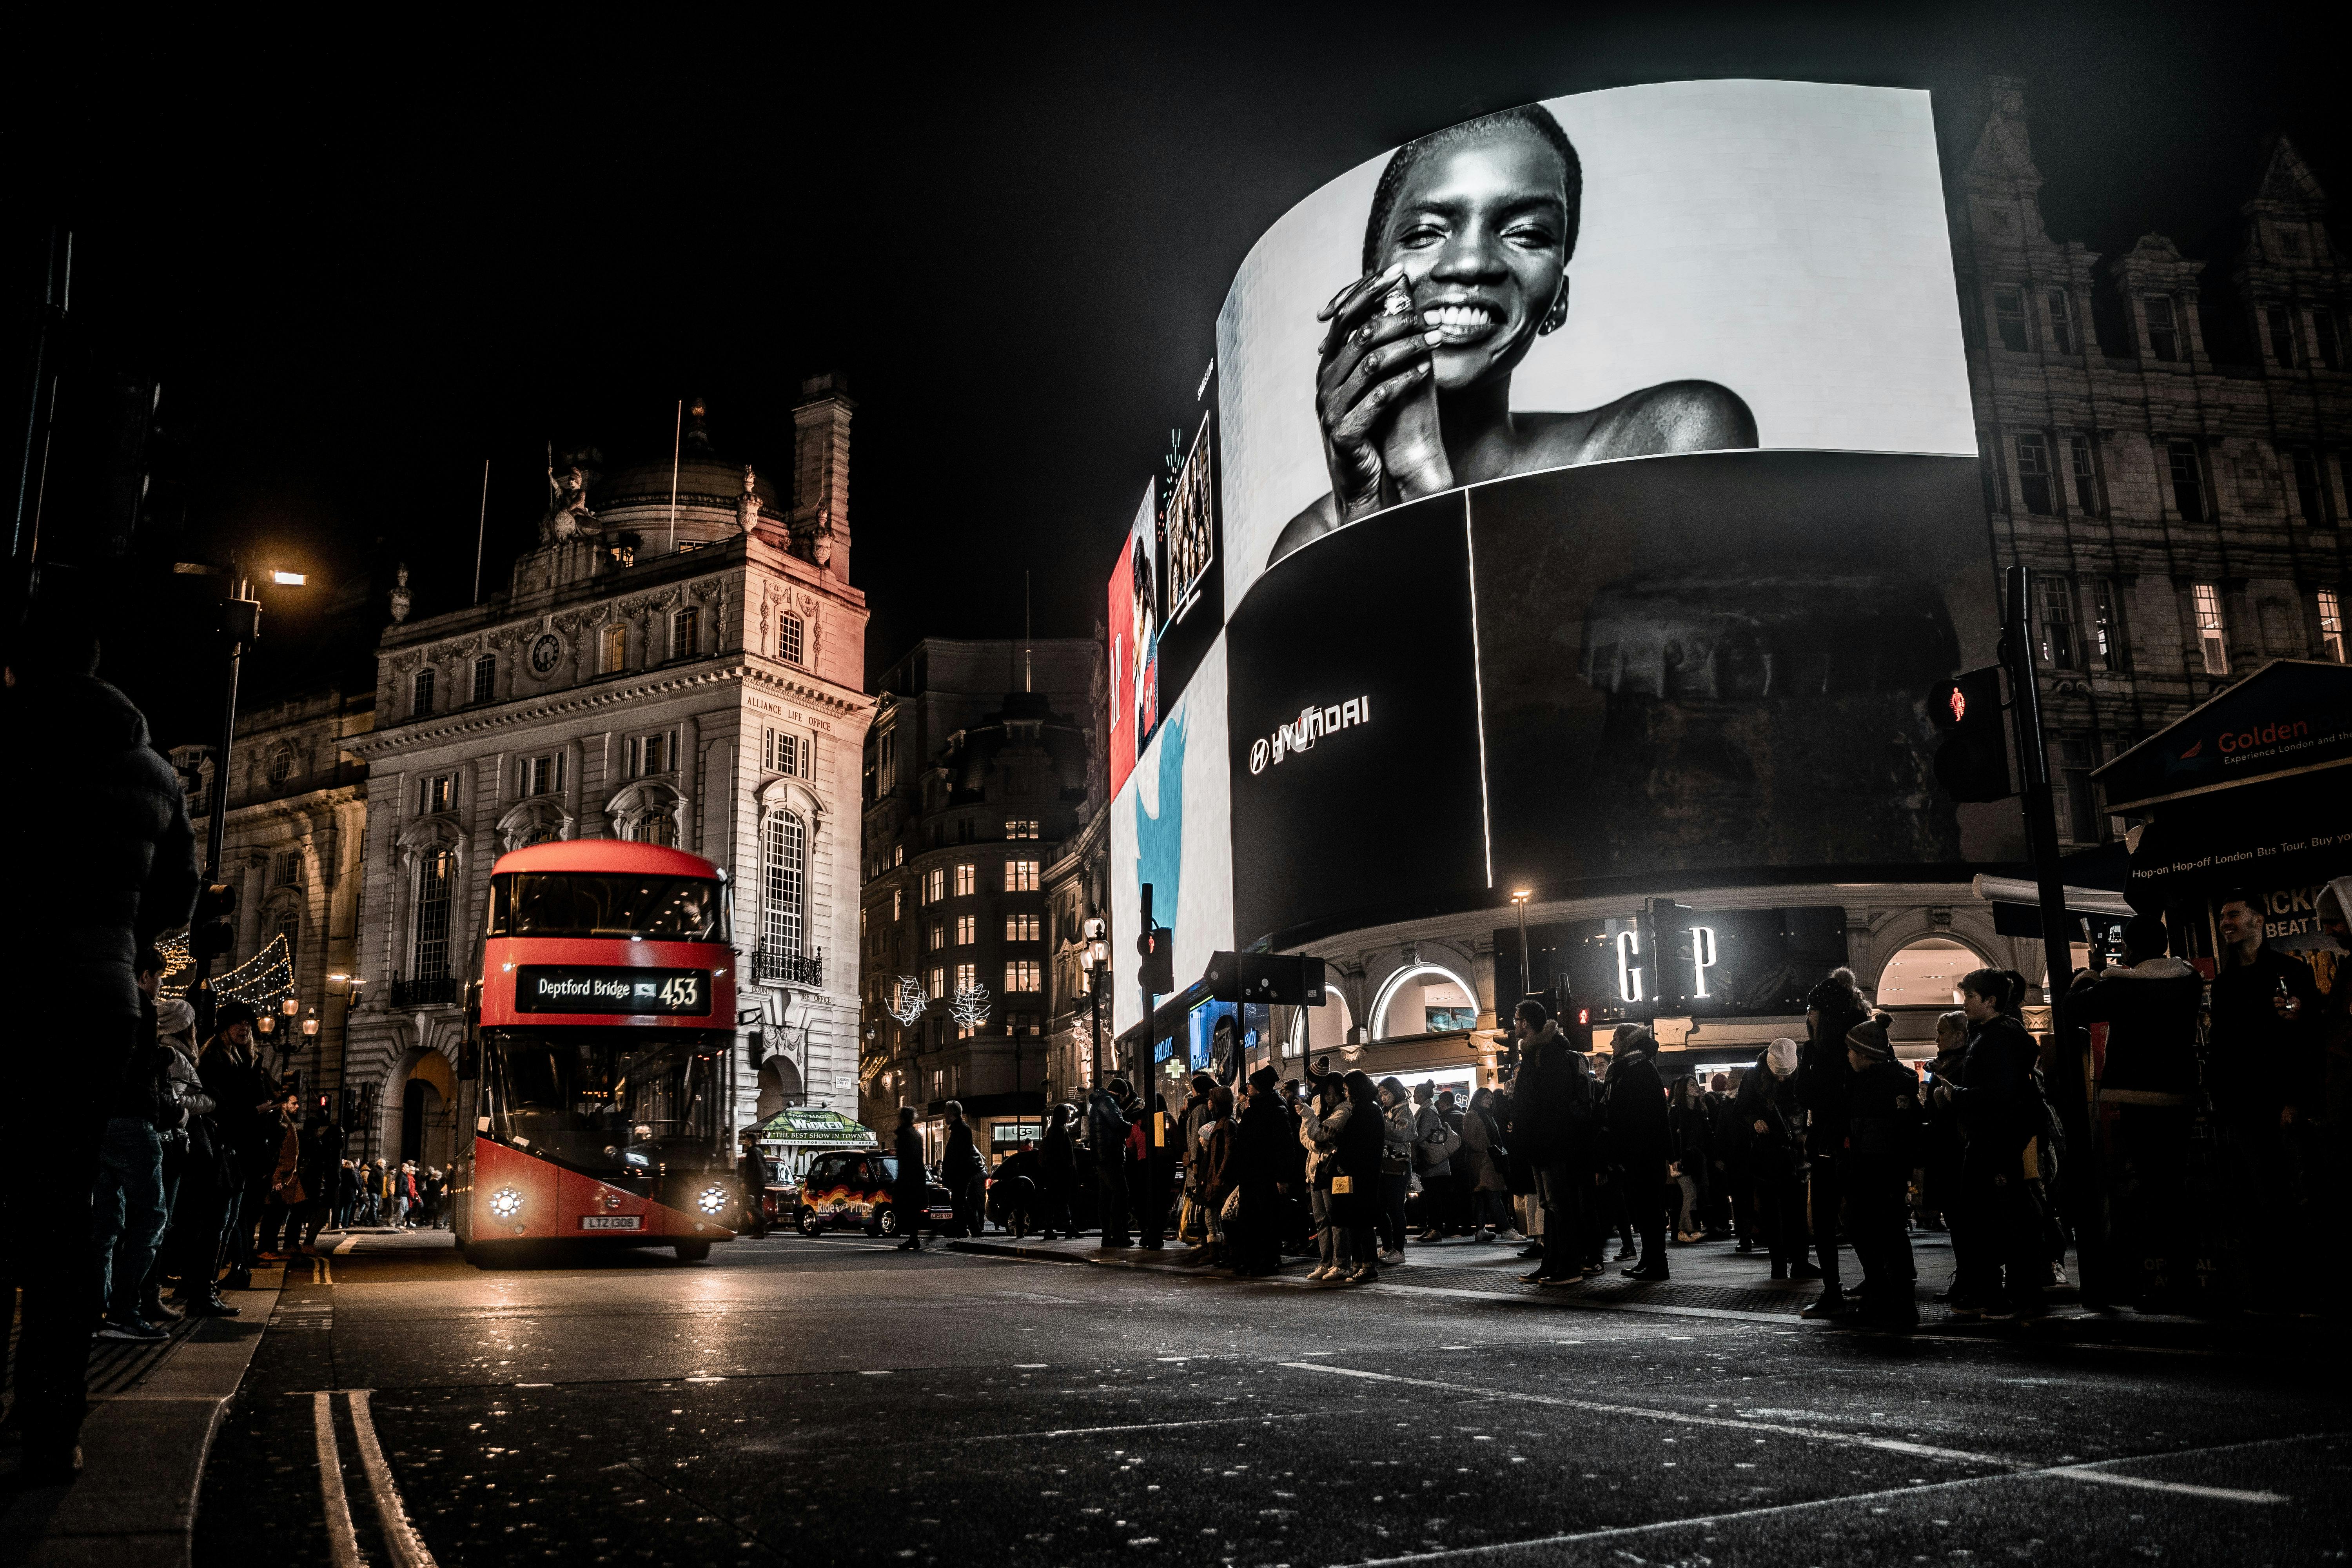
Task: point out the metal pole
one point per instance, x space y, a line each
240 622
2033 762
1527 971
677 443
481 522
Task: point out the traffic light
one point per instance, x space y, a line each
755 1048
212 931
1157 947
1972 748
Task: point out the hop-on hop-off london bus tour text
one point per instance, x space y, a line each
594 1071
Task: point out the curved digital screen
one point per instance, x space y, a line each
1597 500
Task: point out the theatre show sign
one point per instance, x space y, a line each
1596 499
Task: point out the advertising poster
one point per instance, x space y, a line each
1171 825
1133 620
1600 503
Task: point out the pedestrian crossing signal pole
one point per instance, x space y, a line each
1157 976
2034 765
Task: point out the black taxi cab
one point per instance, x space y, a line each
857 1189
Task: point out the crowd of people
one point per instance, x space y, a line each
2156 1126
209 1165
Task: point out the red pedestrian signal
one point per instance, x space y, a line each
1972 744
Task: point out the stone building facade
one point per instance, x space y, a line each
978 773
683 671
292 848
2169 452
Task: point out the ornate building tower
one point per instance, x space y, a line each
680 662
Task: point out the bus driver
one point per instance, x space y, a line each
1465 265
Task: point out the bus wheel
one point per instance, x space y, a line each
693 1251
887 1222
805 1221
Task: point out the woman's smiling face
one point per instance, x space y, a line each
1480 226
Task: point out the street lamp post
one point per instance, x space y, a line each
1519 897
1098 962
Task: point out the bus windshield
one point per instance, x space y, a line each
608 904
614 1102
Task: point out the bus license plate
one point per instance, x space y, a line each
612 1222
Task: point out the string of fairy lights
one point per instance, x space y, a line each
259 981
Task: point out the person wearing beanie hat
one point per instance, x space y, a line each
1884 1134
1195 1121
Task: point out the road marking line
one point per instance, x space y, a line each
1138 1426
407 1551
1742 1516
342 1542
1680 1417
2228 1494
347 1244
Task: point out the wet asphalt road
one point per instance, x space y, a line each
834 1401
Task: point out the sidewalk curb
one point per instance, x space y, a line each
144 1455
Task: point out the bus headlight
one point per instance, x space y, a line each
711 1199
505 1202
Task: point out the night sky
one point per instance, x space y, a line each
363 269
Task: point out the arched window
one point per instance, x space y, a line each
784 884
437 875
657 825
1926 974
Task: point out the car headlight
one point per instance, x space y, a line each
711 1199
505 1202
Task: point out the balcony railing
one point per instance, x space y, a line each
425 991
792 968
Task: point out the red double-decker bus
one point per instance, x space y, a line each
595 1068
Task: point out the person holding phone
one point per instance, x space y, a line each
1465 265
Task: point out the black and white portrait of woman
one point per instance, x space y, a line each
1467 256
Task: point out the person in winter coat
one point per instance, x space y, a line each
1884 1121
1555 1125
963 1173
1057 1173
1193 1119
1825 1084
2147 1101
1734 1205
1432 1166
1939 1125
1360 1132
84 902
1482 1161
910 1195
1216 1153
1396 1167
1694 1146
2001 1112
1263 1140
1107 1131
1774 1121
193 1150
246 1125
1640 1142
283 1192
1322 1114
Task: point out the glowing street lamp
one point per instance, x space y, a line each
1519 897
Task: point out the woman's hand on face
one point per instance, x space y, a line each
1370 358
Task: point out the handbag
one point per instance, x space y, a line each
1232 1212
1341 1186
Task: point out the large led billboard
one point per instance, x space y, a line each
1597 503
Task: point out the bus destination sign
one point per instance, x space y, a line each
582 988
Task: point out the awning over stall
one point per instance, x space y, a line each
811 1126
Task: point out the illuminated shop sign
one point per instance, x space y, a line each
1312 724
